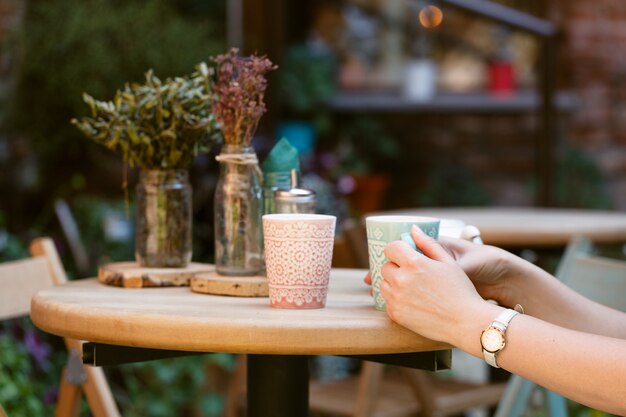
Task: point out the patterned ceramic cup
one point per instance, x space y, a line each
298 256
382 230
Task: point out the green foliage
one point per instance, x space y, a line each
105 230
579 182
366 147
156 125
71 46
171 387
452 186
305 79
11 247
27 386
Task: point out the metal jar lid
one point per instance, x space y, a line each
294 195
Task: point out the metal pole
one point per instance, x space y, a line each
546 139
278 386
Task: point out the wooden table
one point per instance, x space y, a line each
159 322
533 227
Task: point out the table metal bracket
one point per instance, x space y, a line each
437 360
99 354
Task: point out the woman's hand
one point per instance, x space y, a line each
491 269
428 293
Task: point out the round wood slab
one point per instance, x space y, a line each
213 283
131 275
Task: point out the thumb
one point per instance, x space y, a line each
429 246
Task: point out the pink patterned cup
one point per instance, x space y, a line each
298 256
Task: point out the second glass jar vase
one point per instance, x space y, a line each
163 218
238 209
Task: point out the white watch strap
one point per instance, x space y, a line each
490 358
501 322
503 319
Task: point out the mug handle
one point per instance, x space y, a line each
471 234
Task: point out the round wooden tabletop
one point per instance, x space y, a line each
532 227
176 318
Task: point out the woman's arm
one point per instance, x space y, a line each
431 295
586 368
545 297
510 280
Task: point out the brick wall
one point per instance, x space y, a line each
593 64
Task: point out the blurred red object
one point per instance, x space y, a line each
501 79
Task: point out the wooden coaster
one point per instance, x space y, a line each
131 275
213 283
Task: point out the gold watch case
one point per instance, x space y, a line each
492 339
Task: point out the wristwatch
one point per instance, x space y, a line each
492 339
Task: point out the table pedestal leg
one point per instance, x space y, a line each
278 386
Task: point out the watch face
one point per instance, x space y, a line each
492 340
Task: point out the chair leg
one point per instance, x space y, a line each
98 394
68 404
515 398
91 381
367 391
556 404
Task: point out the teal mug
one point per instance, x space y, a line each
382 230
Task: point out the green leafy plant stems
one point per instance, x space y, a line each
157 124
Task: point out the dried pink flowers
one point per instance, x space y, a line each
240 88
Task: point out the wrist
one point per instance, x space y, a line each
467 338
522 282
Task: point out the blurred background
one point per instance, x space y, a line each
391 104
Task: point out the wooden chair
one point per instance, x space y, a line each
599 278
382 391
21 280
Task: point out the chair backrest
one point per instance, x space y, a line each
20 280
598 278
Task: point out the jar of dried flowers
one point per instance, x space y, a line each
159 126
240 88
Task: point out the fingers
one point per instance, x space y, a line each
429 246
368 278
389 273
456 247
400 252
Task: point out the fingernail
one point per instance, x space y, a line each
416 229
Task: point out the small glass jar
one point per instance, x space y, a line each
238 209
273 181
163 218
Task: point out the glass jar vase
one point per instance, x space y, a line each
238 209
163 218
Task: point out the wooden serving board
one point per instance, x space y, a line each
131 275
213 283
